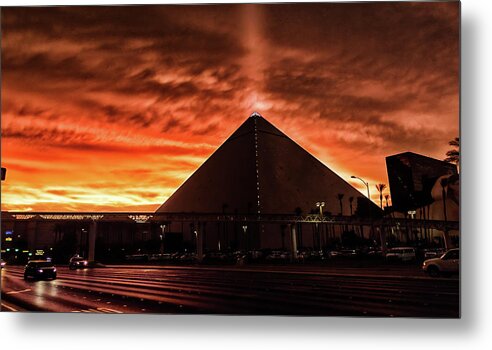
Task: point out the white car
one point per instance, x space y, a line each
447 264
401 254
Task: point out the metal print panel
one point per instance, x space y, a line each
246 159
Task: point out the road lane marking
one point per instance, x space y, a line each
8 307
109 311
19 291
99 310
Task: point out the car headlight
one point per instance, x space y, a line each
54 269
40 271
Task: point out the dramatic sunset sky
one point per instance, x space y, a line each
112 108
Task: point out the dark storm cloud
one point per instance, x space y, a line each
44 138
119 49
391 42
172 123
362 69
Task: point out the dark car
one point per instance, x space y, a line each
77 262
2 263
39 269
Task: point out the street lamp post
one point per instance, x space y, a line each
161 236
320 205
444 185
365 183
245 228
381 235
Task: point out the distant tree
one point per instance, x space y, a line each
340 197
381 188
453 155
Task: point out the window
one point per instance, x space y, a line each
453 254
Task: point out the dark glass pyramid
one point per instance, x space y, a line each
259 169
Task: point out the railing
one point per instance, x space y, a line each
142 217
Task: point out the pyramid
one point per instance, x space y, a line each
259 169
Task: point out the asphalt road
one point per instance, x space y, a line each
231 290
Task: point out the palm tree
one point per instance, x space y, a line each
387 196
340 197
380 188
453 155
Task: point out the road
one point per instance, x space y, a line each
231 290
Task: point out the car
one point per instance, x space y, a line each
278 255
433 253
334 253
77 262
160 257
255 255
374 253
401 254
40 269
349 253
446 264
2 264
137 257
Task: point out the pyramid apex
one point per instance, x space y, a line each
255 115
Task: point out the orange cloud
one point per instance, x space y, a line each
112 108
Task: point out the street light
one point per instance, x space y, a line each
383 244
320 205
161 236
444 184
245 228
365 183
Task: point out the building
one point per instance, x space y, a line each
260 170
257 173
412 177
424 188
